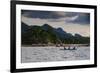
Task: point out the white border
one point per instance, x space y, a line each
20 65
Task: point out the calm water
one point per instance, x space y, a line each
46 54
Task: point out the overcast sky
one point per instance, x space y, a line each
71 22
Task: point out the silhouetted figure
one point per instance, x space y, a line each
69 48
74 48
64 48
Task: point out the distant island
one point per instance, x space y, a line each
47 35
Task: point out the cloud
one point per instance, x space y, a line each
42 14
55 16
82 19
64 19
60 13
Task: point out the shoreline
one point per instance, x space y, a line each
56 45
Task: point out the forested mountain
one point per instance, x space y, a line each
46 34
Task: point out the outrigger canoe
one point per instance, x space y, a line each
69 48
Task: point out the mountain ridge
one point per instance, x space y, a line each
48 34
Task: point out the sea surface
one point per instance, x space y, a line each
48 54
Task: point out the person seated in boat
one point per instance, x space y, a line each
74 48
69 48
64 48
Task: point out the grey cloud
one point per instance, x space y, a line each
55 16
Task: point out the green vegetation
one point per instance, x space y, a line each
47 35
